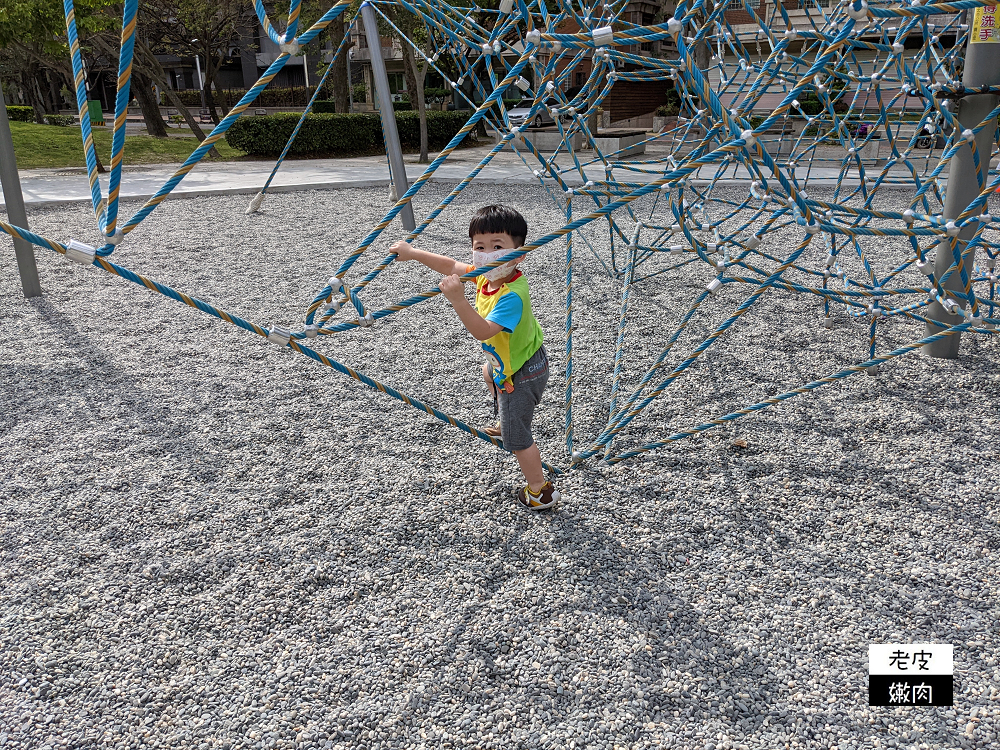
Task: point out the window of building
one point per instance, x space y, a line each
397 82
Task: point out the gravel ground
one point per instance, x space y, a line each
211 542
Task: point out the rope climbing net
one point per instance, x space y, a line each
852 101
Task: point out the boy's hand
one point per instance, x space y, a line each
452 288
403 250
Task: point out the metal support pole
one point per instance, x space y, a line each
201 81
23 250
350 81
396 166
982 67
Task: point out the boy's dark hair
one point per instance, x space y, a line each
499 220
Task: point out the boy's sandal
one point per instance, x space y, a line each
547 497
493 431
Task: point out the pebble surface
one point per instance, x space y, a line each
210 542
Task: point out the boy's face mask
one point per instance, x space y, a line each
480 259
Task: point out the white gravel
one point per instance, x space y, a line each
209 542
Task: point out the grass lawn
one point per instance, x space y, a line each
50 146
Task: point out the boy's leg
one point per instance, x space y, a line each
516 412
530 461
494 429
488 378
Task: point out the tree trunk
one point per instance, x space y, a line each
54 96
210 74
702 55
188 117
415 87
143 89
29 82
338 76
210 102
422 112
703 49
146 61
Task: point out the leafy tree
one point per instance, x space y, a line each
34 51
207 29
414 72
337 82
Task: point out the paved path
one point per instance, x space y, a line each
65 186
53 187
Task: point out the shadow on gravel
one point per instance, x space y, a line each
96 379
577 586
97 421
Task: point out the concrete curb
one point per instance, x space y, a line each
253 190
347 184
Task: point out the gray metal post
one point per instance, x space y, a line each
982 67
396 165
350 81
23 250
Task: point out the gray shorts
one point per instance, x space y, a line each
517 408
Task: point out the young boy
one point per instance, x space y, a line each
517 368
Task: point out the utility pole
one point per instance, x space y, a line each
982 68
23 250
397 169
350 81
201 81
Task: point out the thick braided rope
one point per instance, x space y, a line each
341 49
728 141
79 78
121 112
220 130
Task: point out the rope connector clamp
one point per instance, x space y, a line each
80 252
602 36
278 335
858 12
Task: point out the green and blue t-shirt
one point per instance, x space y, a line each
510 308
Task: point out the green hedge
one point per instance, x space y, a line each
60 120
326 107
269 97
284 97
17 113
810 104
357 133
